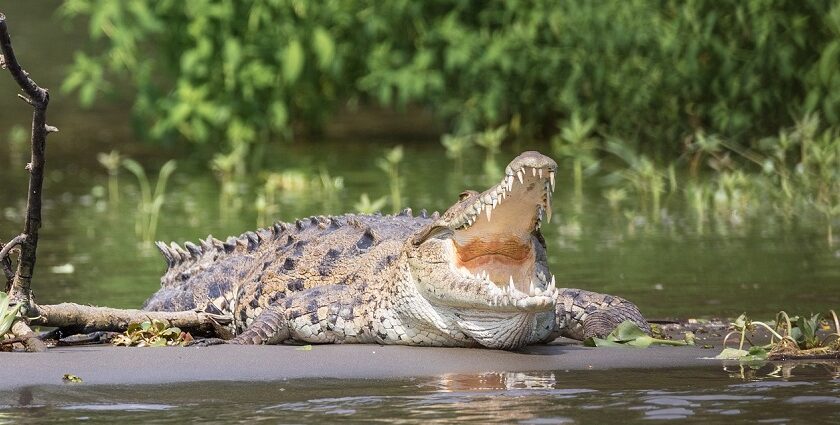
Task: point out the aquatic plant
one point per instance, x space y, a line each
390 164
151 333
643 176
575 143
366 206
455 147
150 201
111 161
790 338
229 169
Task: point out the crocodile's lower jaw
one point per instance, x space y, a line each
504 331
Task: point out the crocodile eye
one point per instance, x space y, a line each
466 194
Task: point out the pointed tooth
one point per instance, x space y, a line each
531 289
551 178
511 288
534 172
494 203
521 176
488 209
540 172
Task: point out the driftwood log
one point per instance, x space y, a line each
67 316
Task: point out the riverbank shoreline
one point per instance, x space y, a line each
109 365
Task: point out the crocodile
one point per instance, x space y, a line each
475 276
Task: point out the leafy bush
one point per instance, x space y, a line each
240 72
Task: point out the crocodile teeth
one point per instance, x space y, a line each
488 209
521 176
531 288
534 172
540 172
551 178
511 288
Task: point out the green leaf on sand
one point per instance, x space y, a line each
73 379
628 334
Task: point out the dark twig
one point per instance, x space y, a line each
39 98
4 256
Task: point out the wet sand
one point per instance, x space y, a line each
105 364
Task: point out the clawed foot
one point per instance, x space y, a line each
205 342
600 323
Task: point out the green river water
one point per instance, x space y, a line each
89 253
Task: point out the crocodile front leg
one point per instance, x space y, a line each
582 314
326 314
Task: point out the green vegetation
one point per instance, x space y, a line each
790 338
154 333
148 211
8 315
111 161
628 334
713 114
390 164
226 72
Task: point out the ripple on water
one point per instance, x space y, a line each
669 413
767 385
813 399
557 420
130 407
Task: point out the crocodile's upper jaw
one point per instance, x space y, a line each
486 252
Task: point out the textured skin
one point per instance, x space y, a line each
377 279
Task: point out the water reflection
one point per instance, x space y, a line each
704 395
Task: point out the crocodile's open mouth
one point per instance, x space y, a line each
496 238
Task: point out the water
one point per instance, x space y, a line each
803 394
89 253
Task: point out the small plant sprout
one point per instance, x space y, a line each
150 202
390 164
111 161
575 142
455 147
229 169
366 206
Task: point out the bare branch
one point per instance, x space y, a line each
9 246
83 319
25 99
30 339
21 77
5 261
39 98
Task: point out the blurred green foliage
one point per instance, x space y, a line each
227 72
